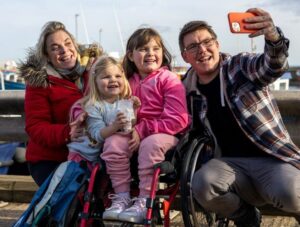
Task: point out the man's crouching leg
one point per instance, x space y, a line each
214 188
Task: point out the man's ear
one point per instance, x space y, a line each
184 56
217 44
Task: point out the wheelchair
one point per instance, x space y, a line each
87 208
177 171
92 199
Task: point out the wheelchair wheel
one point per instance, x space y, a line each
76 206
193 214
73 216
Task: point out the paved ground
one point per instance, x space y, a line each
10 212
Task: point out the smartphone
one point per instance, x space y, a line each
237 24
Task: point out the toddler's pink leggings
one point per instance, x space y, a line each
117 158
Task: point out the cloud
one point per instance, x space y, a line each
286 5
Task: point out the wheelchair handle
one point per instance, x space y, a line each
165 167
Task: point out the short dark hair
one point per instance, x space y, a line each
194 26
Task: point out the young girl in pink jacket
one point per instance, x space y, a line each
162 114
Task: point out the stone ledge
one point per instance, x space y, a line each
14 188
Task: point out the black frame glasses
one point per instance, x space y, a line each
194 47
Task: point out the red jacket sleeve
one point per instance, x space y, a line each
45 122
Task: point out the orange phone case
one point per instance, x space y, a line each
236 22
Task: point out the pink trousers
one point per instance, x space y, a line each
117 158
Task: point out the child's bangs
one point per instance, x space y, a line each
143 39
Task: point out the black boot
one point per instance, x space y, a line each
250 217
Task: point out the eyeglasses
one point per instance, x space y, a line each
193 47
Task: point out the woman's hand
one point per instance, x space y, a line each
77 127
264 24
134 142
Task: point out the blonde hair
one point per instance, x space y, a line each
138 39
99 67
48 29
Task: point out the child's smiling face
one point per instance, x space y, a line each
110 83
147 58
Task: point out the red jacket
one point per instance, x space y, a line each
48 100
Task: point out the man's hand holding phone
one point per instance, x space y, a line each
256 22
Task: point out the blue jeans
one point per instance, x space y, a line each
41 170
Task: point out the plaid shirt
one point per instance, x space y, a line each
244 82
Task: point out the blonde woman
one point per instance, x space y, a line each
55 79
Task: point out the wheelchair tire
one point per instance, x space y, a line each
193 214
72 216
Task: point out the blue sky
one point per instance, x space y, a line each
21 22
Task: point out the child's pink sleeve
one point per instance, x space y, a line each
174 118
76 111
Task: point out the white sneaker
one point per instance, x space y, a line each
119 204
136 213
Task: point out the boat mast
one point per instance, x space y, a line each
118 27
84 25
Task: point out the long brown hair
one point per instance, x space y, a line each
138 39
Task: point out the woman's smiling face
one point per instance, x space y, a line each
61 50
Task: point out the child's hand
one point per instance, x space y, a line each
136 102
77 129
120 121
134 142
